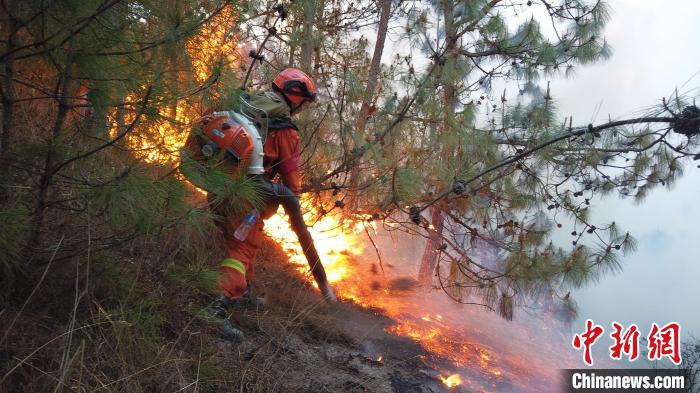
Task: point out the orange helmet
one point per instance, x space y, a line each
296 86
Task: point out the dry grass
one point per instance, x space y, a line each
132 322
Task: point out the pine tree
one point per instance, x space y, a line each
99 226
463 123
97 99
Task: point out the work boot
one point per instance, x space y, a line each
249 301
219 310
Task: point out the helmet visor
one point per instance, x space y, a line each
298 88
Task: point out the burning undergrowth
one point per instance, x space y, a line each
463 347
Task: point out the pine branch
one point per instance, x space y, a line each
74 31
359 152
525 153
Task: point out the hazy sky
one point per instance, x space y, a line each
655 50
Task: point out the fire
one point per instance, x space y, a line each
164 132
429 318
484 356
160 141
451 381
415 331
335 242
215 40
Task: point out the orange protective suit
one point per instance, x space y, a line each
282 153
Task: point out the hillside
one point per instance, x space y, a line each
136 329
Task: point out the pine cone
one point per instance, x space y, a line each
688 123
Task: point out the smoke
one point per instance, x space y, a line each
488 352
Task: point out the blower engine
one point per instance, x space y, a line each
232 137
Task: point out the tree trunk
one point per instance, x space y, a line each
373 74
39 213
308 42
7 91
363 116
451 54
449 98
432 246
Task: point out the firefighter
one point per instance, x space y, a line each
291 90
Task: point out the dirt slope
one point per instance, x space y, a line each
300 344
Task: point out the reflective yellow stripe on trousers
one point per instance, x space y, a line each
234 264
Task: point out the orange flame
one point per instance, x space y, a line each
335 242
451 381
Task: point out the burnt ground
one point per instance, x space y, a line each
300 344
308 363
